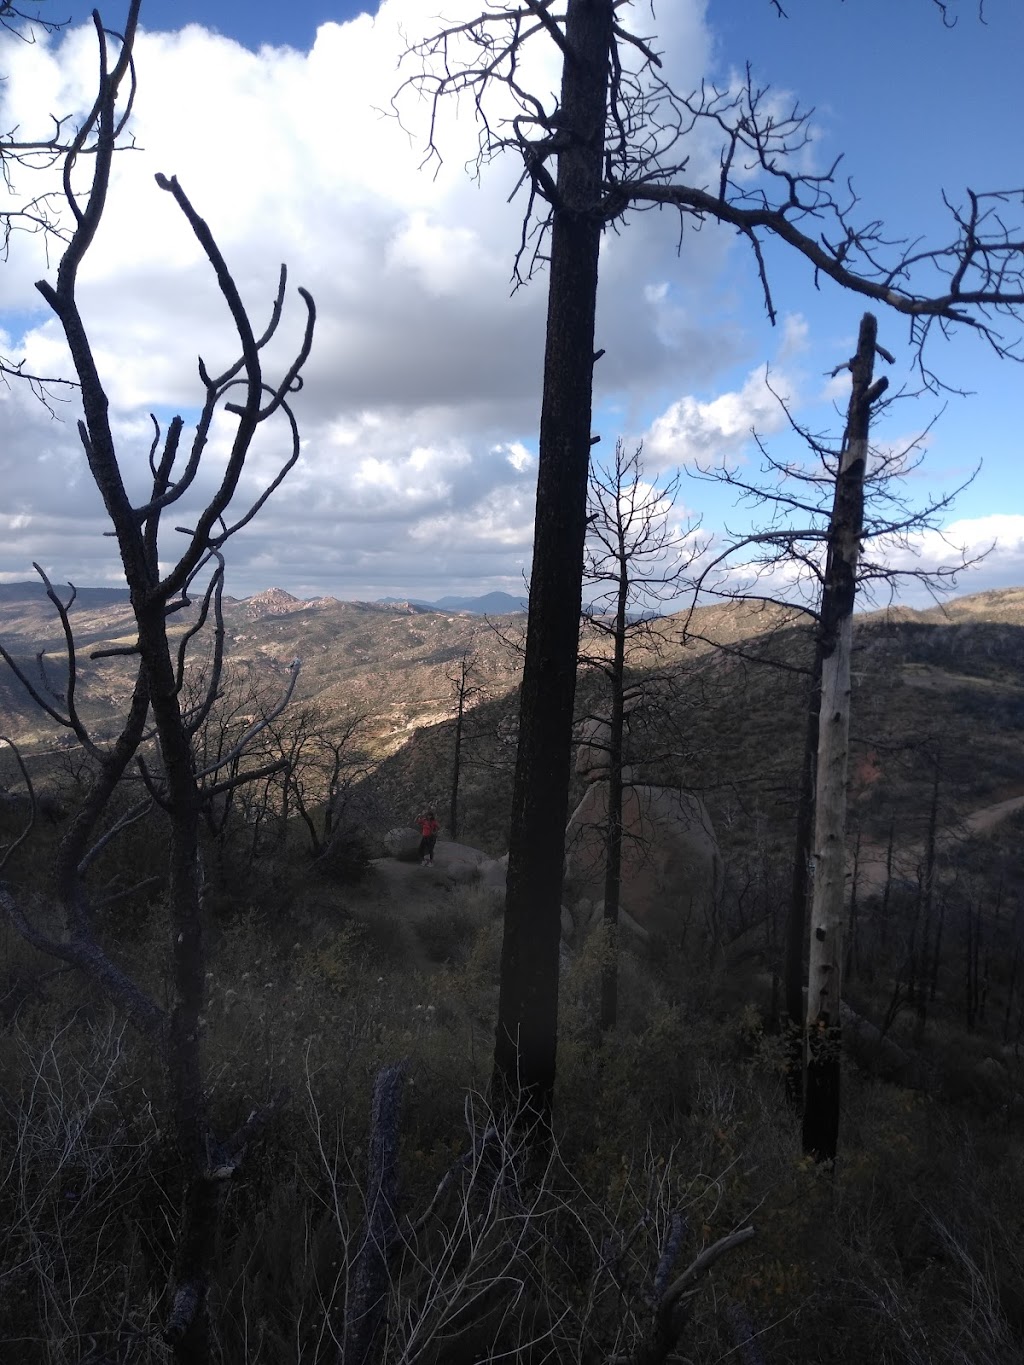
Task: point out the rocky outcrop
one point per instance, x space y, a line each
270 602
403 843
671 865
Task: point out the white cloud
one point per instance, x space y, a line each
993 546
420 405
421 398
707 432
996 542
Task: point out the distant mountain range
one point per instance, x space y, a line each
952 671
490 604
32 590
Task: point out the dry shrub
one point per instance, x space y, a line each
85 1195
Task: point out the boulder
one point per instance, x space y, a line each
671 865
993 1079
568 926
460 871
586 916
592 757
459 863
493 872
403 844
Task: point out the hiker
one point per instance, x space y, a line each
428 828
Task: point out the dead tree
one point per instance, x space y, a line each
783 562
22 156
167 583
824 973
828 553
613 140
316 761
465 691
820 871
635 560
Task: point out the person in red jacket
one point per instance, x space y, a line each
428 828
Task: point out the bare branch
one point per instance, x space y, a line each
261 724
972 279
702 1264
11 848
85 953
129 818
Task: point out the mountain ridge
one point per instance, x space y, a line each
393 662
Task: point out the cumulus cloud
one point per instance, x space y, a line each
993 544
991 547
421 398
704 432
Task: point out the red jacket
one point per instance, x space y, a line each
428 826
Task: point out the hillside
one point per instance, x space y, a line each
954 672
389 661
932 692
324 974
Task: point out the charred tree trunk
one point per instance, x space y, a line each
526 1034
613 834
887 889
453 804
824 983
800 893
920 960
927 984
463 691
972 992
1011 991
852 927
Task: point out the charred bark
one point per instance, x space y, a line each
526 1034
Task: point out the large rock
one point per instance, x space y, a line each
402 843
592 757
493 872
587 915
671 865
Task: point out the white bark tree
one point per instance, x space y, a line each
827 917
833 524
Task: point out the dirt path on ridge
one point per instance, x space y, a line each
906 859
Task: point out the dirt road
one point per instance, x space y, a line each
907 859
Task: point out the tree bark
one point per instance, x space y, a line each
824 983
800 893
613 834
525 1040
453 805
462 693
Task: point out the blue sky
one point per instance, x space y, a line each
422 397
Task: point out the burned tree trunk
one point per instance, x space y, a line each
824 984
464 691
613 833
525 1039
800 892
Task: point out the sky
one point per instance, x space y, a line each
421 399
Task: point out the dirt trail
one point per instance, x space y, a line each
871 870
